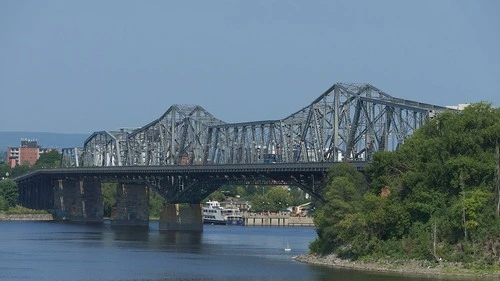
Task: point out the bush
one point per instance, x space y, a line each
19 210
8 190
4 205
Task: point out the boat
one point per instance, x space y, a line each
214 213
287 248
234 220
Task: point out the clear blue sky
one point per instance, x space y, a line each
84 66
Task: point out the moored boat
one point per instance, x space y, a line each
234 220
214 213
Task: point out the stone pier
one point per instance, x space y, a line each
181 217
132 205
78 201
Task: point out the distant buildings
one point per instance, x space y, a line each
460 106
26 154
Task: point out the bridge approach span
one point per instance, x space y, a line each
190 184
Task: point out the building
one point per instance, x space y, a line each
26 154
460 106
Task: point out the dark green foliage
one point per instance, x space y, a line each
155 205
8 190
435 198
109 198
19 170
4 205
275 199
4 170
340 224
51 159
216 196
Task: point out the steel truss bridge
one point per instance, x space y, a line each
187 153
347 122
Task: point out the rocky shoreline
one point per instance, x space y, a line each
407 267
26 217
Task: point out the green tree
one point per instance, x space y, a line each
19 170
278 198
260 203
339 222
9 191
4 205
437 196
155 204
216 196
109 198
51 159
4 170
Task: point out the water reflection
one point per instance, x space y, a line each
42 251
172 241
182 239
131 233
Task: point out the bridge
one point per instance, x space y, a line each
187 153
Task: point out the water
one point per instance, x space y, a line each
57 251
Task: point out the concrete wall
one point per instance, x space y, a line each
277 220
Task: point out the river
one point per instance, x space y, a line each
59 251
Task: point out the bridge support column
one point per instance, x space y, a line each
132 205
181 217
78 201
36 194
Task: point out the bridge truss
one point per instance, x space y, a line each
348 122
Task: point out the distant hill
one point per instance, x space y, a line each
45 140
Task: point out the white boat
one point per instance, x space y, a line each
234 220
287 248
213 213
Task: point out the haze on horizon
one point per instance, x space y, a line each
85 66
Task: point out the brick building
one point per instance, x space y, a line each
26 154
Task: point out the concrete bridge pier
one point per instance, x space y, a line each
132 205
181 217
78 201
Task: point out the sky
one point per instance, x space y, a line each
83 66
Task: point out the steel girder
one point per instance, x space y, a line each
71 157
178 137
348 122
106 148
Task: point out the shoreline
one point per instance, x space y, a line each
26 217
409 267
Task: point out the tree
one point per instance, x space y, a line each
338 221
4 205
155 204
109 198
438 196
51 159
19 170
4 170
9 191
216 196
278 198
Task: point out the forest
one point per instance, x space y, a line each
436 198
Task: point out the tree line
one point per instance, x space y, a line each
436 198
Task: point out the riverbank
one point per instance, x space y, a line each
26 217
407 267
